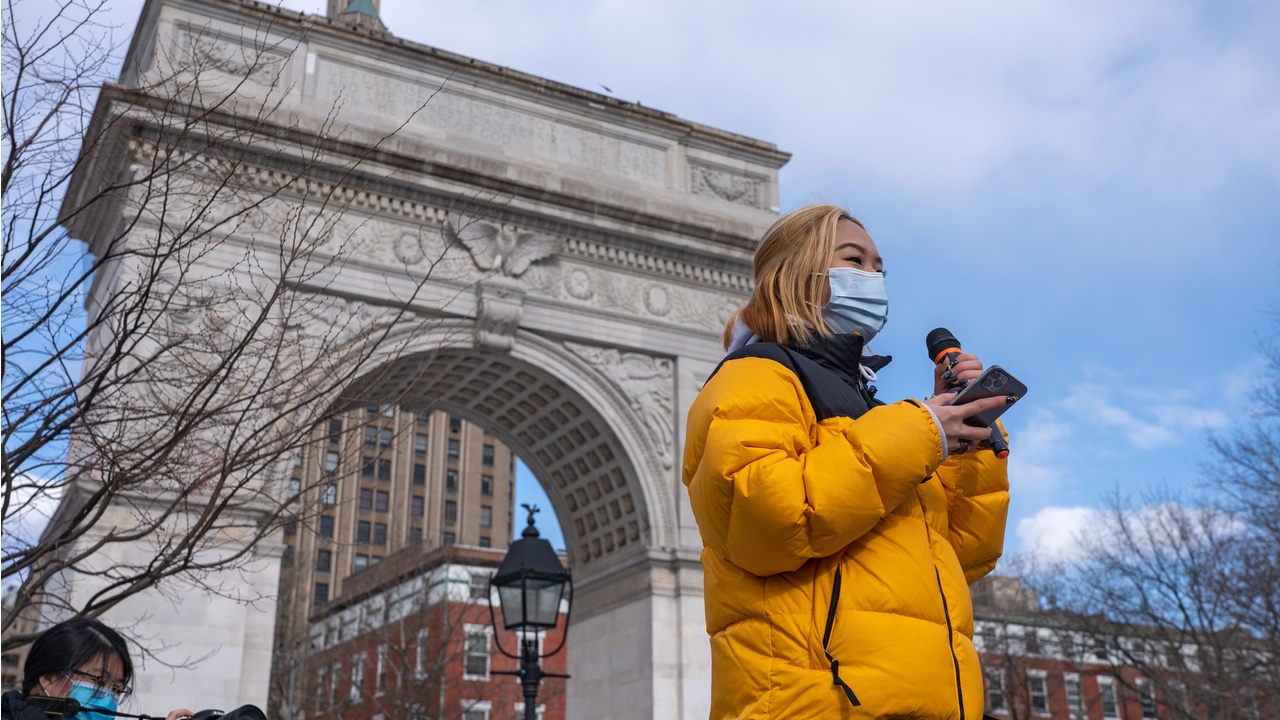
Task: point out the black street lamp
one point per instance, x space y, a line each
530 582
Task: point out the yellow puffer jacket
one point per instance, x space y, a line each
788 502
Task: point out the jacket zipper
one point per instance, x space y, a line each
951 643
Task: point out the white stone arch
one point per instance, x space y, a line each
600 464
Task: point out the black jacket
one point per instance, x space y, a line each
16 706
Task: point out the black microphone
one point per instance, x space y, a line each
942 345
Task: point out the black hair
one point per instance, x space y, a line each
69 645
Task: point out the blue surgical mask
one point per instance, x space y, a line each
859 302
88 694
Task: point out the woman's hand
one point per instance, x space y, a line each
962 438
966 368
178 714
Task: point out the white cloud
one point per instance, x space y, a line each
31 506
1053 534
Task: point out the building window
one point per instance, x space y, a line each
366 499
322 689
375 559
420 444
419 474
380 678
286 558
363 531
487 456
295 487
326 526
420 655
379 533
335 672
455 424
297 462
1107 697
455 449
415 535
362 562
476 662
995 691
322 594
383 501
448 538
372 409
291 528
486 516
478 585
384 469
475 710
1038 693
367 464
450 511
384 437
486 484
1146 699
417 505
323 560
1075 698
335 432
357 678
329 495
451 481
486 541
424 418
370 436
1031 640
331 460
388 410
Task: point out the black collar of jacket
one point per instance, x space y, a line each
841 354
17 706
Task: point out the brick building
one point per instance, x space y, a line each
412 638
1041 664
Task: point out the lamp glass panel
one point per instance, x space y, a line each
512 600
543 604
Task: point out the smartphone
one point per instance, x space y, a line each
994 381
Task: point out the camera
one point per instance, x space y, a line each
993 381
244 712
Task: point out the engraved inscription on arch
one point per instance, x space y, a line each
518 132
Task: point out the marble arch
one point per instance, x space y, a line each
576 318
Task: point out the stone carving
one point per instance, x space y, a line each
232 58
725 185
500 305
648 384
408 248
636 296
503 248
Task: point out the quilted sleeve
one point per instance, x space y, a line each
977 487
771 488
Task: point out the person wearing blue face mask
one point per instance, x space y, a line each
840 533
80 660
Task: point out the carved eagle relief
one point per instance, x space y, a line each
503 248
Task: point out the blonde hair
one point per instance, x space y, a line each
790 267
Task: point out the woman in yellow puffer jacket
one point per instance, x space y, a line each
840 533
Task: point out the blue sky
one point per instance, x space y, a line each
1087 193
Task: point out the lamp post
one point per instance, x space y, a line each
530 582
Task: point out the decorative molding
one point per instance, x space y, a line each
499 307
727 185
648 383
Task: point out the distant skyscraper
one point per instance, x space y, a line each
376 480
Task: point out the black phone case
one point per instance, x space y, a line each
993 381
